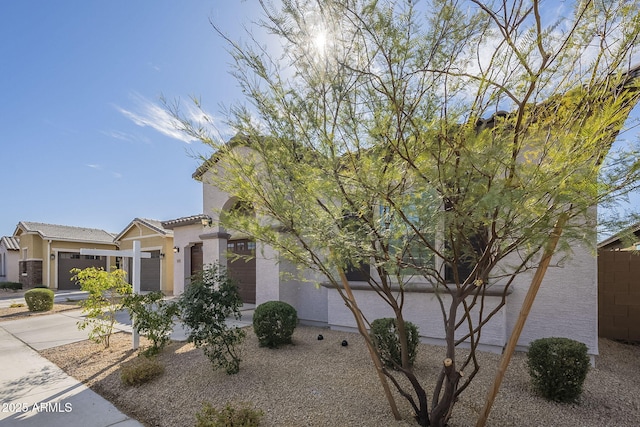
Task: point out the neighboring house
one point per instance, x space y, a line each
566 304
48 252
156 273
9 257
619 286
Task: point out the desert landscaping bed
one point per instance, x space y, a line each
321 383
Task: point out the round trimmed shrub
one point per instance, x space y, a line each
39 299
384 335
558 368
274 323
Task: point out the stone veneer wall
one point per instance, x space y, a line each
33 277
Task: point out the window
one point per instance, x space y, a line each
3 260
405 243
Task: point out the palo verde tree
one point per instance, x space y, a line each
454 143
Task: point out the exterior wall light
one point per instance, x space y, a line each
52 256
206 221
176 249
161 255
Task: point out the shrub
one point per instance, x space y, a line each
274 323
39 299
16 305
14 286
206 303
558 367
384 335
152 318
140 370
106 289
231 416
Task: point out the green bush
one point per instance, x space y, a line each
153 318
140 370
205 305
558 368
231 416
384 335
39 299
274 323
14 286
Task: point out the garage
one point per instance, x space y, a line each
149 272
241 270
70 260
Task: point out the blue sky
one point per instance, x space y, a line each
83 141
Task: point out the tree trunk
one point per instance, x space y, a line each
374 356
522 318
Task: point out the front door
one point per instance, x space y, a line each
243 270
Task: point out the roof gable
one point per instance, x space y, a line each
152 224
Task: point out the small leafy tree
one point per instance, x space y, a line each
209 299
152 318
106 290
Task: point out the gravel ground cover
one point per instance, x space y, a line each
321 383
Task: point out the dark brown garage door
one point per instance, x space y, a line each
69 260
241 270
149 272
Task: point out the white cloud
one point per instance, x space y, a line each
92 166
153 115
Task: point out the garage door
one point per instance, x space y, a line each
149 271
69 260
243 272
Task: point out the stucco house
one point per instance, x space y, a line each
48 252
9 256
566 304
156 273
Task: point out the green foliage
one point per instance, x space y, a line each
230 416
16 305
206 303
386 339
14 286
140 370
106 289
39 299
152 318
558 368
274 323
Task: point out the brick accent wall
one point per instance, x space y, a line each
619 295
34 273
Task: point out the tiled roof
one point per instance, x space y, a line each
11 243
186 220
66 232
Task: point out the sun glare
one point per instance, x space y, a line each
320 41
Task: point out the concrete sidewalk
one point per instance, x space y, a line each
34 392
